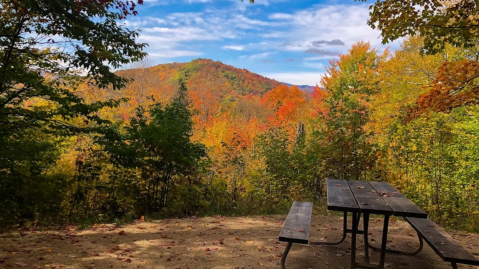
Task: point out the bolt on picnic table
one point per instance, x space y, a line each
361 197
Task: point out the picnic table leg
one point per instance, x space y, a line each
383 243
454 265
353 239
285 254
366 247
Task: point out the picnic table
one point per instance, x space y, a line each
363 197
366 198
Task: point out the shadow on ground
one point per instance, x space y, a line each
214 242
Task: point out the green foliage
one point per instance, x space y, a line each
47 47
434 160
289 170
438 22
159 146
348 149
151 161
46 50
98 189
28 192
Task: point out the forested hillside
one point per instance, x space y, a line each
207 138
212 86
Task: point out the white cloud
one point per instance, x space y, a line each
186 18
314 65
197 1
316 58
296 78
247 23
344 22
181 33
151 3
173 54
281 16
257 56
234 47
138 23
255 31
275 34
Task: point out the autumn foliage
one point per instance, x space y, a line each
206 138
455 85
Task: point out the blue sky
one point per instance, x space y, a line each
288 40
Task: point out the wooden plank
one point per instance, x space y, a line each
401 205
340 197
368 199
442 243
296 226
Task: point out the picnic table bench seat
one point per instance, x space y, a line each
296 227
441 242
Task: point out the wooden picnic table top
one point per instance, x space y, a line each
370 197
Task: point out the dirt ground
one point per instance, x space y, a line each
213 242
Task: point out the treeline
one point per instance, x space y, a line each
183 152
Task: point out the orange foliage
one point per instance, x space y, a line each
284 101
317 102
455 85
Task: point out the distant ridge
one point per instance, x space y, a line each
304 88
213 88
202 75
212 85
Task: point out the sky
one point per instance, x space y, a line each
291 41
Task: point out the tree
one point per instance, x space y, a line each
350 82
284 101
404 77
159 146
439 22
46 48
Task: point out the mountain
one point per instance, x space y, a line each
214 89
304 88
204 76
